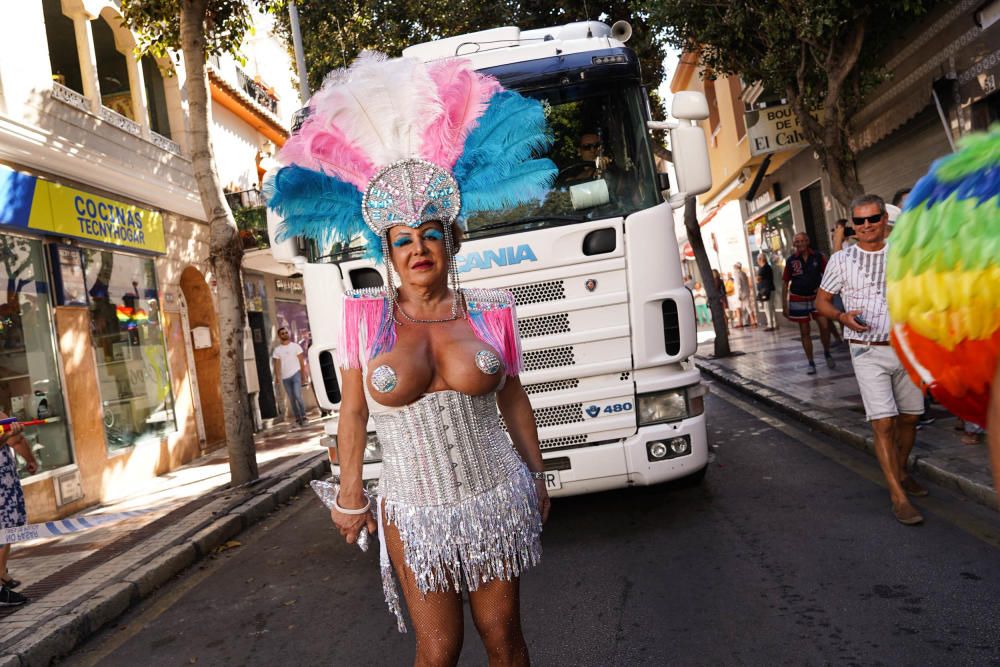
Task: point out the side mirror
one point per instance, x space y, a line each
694 173
689 105
284 252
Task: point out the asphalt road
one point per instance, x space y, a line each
786 554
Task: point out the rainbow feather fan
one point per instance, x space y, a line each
379 112
944 278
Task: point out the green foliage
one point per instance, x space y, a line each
793 44
334 33
157 23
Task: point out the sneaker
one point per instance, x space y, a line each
9 598
10 583
925 420
830 363
812 369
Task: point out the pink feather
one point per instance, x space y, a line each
323 147
464 94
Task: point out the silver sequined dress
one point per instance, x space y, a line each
457 491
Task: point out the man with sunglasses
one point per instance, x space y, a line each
290 366
893 404
593 163
802 276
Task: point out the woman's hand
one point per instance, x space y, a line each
10 431
350 525
544 503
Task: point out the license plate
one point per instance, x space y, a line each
552 480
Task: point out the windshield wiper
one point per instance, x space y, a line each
528 221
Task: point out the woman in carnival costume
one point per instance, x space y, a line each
944 284
400 152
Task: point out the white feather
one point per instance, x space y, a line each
382 105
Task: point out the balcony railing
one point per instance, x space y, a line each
257 92
164 143
120 121
69 96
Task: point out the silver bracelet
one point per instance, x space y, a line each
539 475
360 510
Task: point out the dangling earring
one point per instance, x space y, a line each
456 290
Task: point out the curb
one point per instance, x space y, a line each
60 635
858 437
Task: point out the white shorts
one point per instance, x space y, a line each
886 387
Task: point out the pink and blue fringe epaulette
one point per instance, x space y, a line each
368 322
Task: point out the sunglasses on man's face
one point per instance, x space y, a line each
871 219
590 147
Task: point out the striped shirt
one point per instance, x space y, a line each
859 277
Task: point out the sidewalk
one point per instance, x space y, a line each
772 369
79 582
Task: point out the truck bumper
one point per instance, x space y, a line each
626 462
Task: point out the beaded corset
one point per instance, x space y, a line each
458 493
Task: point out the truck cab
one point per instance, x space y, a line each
606 322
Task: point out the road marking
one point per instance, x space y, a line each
946 506
171 593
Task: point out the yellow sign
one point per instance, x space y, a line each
70 212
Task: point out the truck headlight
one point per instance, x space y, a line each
671 405
662 406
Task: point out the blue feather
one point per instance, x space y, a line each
521 184
320 207
496 169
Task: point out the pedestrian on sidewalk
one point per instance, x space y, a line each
720 289
802 277
744 297
732 302
701 304
765 291
893 404
290 366
12 511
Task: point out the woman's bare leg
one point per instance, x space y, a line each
496 610
437 617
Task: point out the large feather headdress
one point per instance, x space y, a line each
398 141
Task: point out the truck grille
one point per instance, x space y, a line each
544 326
564 441
557 415
553 290
557 385
552 357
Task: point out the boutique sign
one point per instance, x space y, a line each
32 203
773 129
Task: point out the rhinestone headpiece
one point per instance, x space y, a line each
410 192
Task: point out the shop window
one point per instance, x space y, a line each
61 38
30 386
112 70
155 97
128 342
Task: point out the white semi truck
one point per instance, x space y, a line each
606 322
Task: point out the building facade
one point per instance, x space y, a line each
108 331
942 81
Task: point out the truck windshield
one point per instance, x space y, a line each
601 147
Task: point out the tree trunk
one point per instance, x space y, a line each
225 249
705 269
